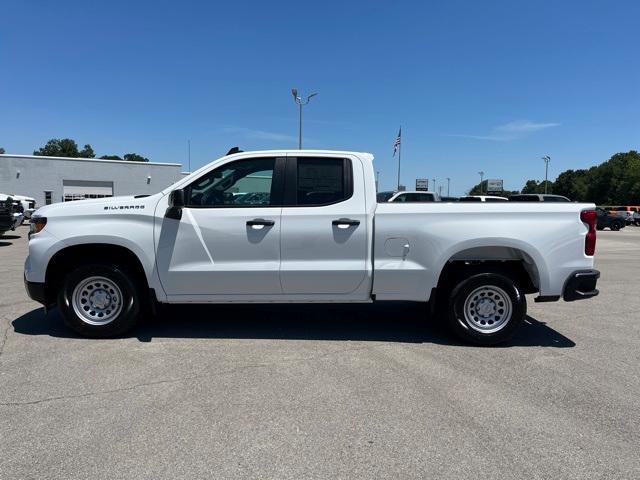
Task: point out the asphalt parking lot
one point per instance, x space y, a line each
324 391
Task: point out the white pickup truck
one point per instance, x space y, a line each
304 226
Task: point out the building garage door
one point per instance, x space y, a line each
81 189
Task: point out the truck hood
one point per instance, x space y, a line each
128 203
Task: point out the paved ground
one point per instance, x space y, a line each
324 392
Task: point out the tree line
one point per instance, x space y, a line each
614 182
66 147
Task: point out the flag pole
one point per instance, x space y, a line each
399 156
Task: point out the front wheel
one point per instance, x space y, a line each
486 309
615 226
100 301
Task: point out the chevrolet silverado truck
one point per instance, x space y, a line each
305 226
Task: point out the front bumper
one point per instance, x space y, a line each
580 285
36 291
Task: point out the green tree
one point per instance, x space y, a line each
134 157
87 152
530 187
110 157
64 147
572 184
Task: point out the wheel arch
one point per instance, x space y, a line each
523 262
72 256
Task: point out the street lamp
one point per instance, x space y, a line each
448 182
546 159
301 103
481 173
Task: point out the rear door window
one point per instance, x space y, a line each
322 181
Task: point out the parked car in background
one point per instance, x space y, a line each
18 212
6 214
415 197
538 197
624 212
608 220
636 217
28 204
482 198
407 197
382 197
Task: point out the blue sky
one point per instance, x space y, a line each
488 86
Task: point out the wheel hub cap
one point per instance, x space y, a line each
488 309
97 300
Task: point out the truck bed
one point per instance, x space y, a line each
549 238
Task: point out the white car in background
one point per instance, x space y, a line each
482 198
408 197
16 209
28 204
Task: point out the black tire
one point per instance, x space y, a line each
472 331
615 226
131 309
599 228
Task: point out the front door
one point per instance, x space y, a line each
227 242
324 228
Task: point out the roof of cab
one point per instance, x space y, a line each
362 155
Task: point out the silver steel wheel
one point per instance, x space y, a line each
488 309
97 300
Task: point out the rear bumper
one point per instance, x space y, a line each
36 292
581 285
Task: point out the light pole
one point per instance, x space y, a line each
448 182
481 173
377 180
546 159
434 184
298 100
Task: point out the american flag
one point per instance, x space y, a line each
396 144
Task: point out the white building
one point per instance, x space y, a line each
59 179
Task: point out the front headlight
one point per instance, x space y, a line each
36 225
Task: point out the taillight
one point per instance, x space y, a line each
590 218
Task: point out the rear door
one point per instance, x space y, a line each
324 227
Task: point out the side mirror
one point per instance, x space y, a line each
176 202
176 198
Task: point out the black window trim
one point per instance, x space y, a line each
277 184
290 196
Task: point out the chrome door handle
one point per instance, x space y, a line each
345 223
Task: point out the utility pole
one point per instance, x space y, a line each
300 103
546 159
481 173
448 182
434 184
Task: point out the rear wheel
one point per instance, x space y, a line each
100 301
615 226
486 309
